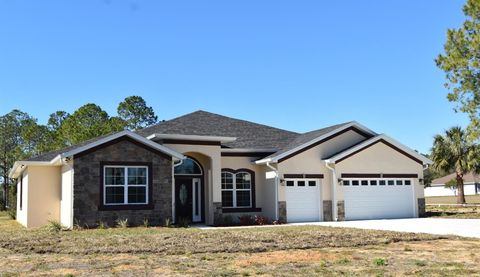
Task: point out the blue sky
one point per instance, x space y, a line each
297 65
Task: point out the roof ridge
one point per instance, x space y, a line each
219 115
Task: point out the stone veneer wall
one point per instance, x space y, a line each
341 210
421 207
217 214
87 185
327 210
282 211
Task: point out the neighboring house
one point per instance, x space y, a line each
203 167
471 186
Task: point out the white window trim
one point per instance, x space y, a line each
378 182
234 189
295 182
125 186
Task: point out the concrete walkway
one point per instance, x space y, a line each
437 226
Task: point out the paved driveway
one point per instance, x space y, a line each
438 226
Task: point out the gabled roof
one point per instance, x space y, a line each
55 157
379 138
468 178
248 134
307 140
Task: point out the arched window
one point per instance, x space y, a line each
188 167
236 189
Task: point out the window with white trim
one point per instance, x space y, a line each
376 182
236 189
125 185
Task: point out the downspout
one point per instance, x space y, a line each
276 188
334 191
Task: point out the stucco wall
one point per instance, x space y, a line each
41 196
380 158
310 161
87 185
209 158
66 202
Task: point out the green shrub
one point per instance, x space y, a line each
227 220
122 223
168 222
55 226
343 261
102 225
420 263
146 223
183 222
380 262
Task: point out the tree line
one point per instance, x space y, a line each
22 137
457 149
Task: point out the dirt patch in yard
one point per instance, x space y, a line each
445 211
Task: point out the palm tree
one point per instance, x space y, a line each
453 152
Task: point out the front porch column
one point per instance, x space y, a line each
216 188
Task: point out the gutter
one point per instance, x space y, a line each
334 190
277 183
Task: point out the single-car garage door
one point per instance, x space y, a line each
303 200
378 198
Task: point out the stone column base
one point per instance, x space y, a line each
282 211
341 210
421 207
327 210
217 213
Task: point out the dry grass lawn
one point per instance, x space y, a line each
279 251
453 211
471 199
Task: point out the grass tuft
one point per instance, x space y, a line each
380 261
122 223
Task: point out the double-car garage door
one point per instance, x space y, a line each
364 199
378 198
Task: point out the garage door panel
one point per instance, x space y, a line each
303 203
378 202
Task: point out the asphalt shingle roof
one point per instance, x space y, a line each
249 134
306 137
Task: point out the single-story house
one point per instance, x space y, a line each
471 185
204 167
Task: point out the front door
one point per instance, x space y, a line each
188 200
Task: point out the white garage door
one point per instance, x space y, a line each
378 198
303 200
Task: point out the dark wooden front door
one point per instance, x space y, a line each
183 199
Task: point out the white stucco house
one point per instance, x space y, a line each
471 186
203 167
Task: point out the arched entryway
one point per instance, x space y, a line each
189 191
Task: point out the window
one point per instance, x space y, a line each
125 185
290 183
312 183
376 182
236 189
301 183
188 167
